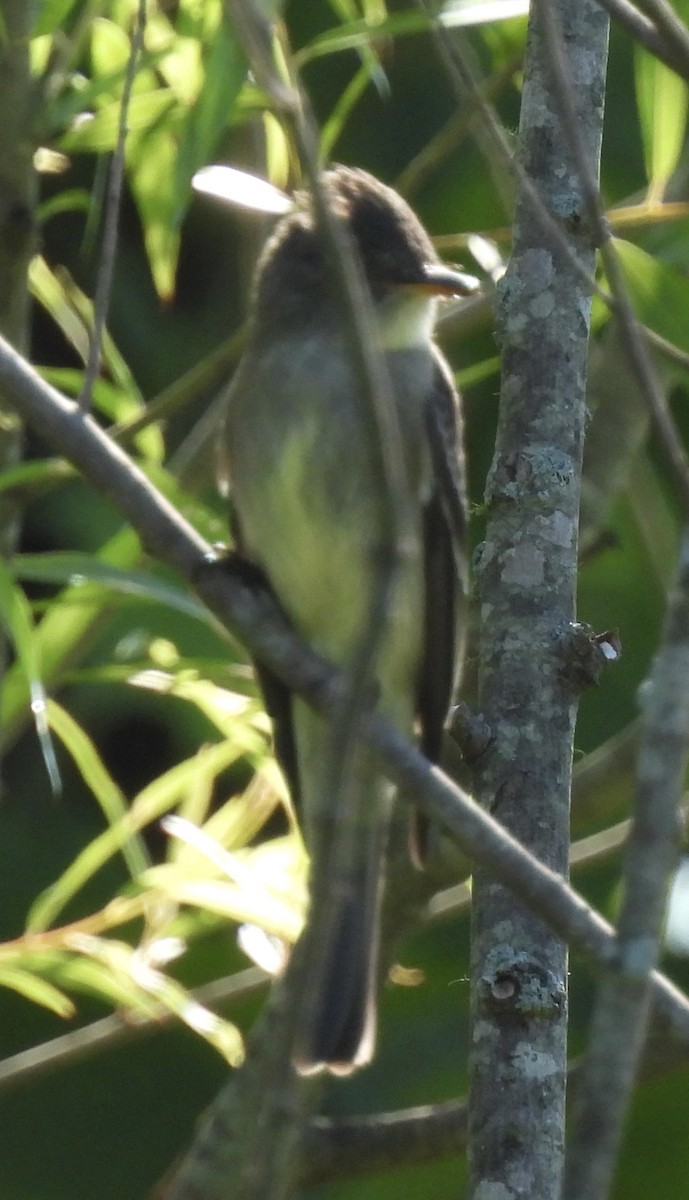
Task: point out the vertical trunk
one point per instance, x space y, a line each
527 582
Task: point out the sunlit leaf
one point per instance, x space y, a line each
16 617
238 904
93 771
64 634
662 102
83 972
32 987
119 397
355 35
264 886
132 979
29 479
149 161
157 798
51 15
660 293
98 132
51 293
70 567
70 200
333 127
110 47
242 189
235 715
222 75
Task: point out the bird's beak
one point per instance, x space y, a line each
441 280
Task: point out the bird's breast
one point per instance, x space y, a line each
306 483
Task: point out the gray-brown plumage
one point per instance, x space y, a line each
307 511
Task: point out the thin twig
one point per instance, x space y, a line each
631 332
623 1005
672 30
669 50
114 1030
106 266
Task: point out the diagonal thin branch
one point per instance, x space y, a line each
658 40
252 617
631 331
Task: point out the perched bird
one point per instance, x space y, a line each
306 511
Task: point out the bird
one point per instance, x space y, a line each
306 513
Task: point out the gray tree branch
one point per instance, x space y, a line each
527 575
623 1005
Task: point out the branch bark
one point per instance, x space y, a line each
527 581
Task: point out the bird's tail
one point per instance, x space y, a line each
337 1028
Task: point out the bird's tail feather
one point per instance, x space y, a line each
338 1031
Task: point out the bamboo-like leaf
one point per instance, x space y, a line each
16 617
33 987
29 479
70 567
98 133
157 798
335 123
93 771
63 635
235 715
660 293
662 102
235 903
355 35
51 16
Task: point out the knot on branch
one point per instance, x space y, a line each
471 732
586 654
523 988
536 470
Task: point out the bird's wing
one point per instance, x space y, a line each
277 696
445 572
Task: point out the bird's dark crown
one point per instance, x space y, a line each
293 274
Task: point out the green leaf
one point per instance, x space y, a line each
16 617
660 293
118 398
357 35
110 48
157 798
29 479
94 773
360 35
70 567
238 718
335 123
64 635
97 133
150 161
662 102
52 14
49 290
83 972
70 200
32 987
223 75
